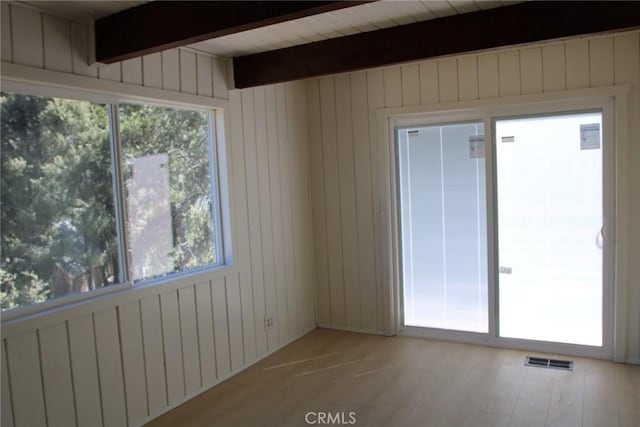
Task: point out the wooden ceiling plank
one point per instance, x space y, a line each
464 6
440 8
486 29
419 11
488 4
160 25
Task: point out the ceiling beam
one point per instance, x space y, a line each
159 25
503 26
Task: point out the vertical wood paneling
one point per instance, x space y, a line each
132 71
26 382
294 214
577 62
5 37
152 341
448 80
297 113
6 411
531 70
375 97
323 296
221 327
205 333
188 72
488 77
80 51
282 321
171 70
220 89
468 77
241 223
110 368
286 174
429 92
627 70
264 194
364 201
57 45
152 70
392 87
332 199
111 72
601 61
205 83
189 334
253 206
56 375
84 364
135 382
509 73
627 58
411 84
348 213
173 362
234 316
26 34
553 67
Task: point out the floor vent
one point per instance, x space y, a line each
541 362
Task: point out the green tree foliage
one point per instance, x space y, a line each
182 134
57 200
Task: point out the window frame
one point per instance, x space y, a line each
218 180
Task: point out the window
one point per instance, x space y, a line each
95 195
170 208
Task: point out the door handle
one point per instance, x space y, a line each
600 237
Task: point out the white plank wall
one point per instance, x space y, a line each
110 372
27 397
36 39
153 354
135 381
85 374
301 233
342 121
125 363
56 375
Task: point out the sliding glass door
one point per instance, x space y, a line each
550 227
443 209
511 247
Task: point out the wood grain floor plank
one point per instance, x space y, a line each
399 381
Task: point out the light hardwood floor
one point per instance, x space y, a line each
414 382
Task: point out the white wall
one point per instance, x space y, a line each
127 357
342 123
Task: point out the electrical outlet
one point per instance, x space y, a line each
268 322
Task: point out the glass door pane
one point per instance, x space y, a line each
550 218
443 226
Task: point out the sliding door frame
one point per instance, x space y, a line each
613 102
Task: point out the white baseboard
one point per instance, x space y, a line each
348 329
633 361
